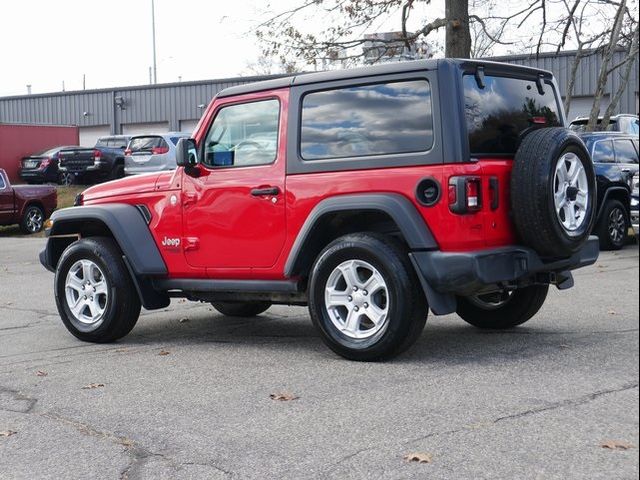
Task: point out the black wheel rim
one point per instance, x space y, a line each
617 226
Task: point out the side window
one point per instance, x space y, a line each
635 128
625 151
386 118
243 135
603 152
2 185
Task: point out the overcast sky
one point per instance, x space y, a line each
47 41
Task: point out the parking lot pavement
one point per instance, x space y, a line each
187 393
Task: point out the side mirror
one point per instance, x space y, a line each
186 153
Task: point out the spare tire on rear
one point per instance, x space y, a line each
553 192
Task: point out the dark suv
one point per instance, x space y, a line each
615 157
105 161
371 195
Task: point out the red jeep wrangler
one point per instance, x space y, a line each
370 195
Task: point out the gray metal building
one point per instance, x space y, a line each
178 106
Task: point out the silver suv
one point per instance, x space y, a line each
152 153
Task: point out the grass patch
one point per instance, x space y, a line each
66 197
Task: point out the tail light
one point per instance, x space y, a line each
127 151
465 194
97 154
539 120
45 163
159 150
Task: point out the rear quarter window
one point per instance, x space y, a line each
603 152
498 114
366 120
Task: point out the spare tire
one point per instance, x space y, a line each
553 188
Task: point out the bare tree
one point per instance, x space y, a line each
630 62
604 66
288 35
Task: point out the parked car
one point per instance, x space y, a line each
390 190
105 161
615 157
634 205
624 123
152 153
42 167
26 205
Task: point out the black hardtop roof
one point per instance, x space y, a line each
373 71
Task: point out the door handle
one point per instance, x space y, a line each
265 192
626 170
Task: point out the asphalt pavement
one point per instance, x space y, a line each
188 393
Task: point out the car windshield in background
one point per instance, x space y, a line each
174 140
499 113
143 144
581 125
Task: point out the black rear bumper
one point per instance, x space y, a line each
444 274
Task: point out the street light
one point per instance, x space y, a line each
153 33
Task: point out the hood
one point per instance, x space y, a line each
133 185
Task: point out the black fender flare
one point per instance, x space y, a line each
605 197
411 224
126 224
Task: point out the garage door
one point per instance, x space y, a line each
89 135
581 106
145 128
188 126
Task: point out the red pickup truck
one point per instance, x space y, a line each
27 205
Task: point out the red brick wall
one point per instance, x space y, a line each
17 141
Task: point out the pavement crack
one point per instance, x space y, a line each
211 465
16 401
571 402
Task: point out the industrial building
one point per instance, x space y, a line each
178 106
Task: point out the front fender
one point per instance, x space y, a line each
123 221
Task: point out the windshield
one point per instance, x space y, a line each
140 144
498 114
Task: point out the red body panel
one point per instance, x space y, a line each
225 232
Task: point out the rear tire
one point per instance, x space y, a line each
95 295
241 309
66 179
117 172
32 220
365 298
498 313
613 226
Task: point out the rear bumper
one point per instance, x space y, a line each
466 273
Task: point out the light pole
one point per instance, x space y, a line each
153 33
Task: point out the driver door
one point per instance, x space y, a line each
234 211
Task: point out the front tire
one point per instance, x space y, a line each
117 172
613 226
241 309
95 295
502 310
365 298
32 220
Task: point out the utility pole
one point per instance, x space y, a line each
84 81
28 89
153 33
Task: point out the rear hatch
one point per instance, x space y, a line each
500 108
79 159
147 151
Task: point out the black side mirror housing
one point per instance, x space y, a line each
186 153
